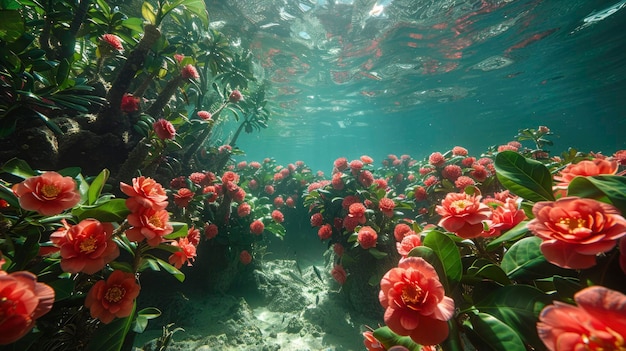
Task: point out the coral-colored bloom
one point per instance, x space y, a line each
355 166
144 193
164 129
22 301
85 247
244 257
339 274
338 249
459 151
190 72
468 161
597 323
366 178
186 254
420 193
430 181
211 192
149 224
386 206
415 302
620 157
349 200
401 230
463 182
235 96
210 230
243 209
257 227
113 41
463 214
367 237
337 182
408 243
436 159
574 230
371 343
179 57
183 197
290 202
507 147
585 168
451 172
366 159
198 177
479 172
269 190
317 220
341 164
48 194
113 298
205 115
357 211
279 202
325 232
504 218
129 103
278 216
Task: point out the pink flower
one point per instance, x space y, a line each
22 301
504 218
463 214
317 220
114 297
257 227
459 151
243 209
408 243
357 211
420 193
341 164
189 72
574 230
179 57
235 96
585 168
366 178
278 201
186 254
415 302
164 129
367 237
245 258
85 247
144 193
366 159
597 323
210 230
149 224
386 206
113 41
451 172
325 232
463 182
507 147
183 197
278 216
436 159
129 103
337 182
269 190
204 115
48 194
371 343
338 249
401 230
339 274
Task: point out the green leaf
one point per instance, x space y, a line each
483 269
517 306
110 337
377 253
171 269
147 11
9 5
18 168
610 189
96 186
141 322
7 194
512 234
276 229
12 25
494 334
447 251
63 289
388 338
524 261
180 230
114 210
524 177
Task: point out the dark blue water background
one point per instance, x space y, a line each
428 75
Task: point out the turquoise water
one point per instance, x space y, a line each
423 76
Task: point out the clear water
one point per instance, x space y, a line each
424 75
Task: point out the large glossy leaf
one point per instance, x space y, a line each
110 337
448 253
18 168
96 186
524 261
512 234
180 230
606 188
114 210
494 334
518 306
12 25
388 338
524 177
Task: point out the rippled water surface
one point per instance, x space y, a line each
352 77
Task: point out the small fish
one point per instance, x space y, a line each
318 274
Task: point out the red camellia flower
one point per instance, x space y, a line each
357 211
366 178
183 197
164 129
451 172
269 190
113 298
371 343
366 159
129 103
245 257
278 216
205 115
190 72
48 194
386 206
186 254
459 151
290 202
337 182
585 168
574 230
367 237
436 159
338 249
415 302
235 96
341 164
22 301
278 201
325 232
597 323
317 220
407 244
463 214
149 224
420 193
401 230
504 218
463 182
339 274
243 209
211 192
113 41
85 247
210 230
620 157
144 193
257 227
